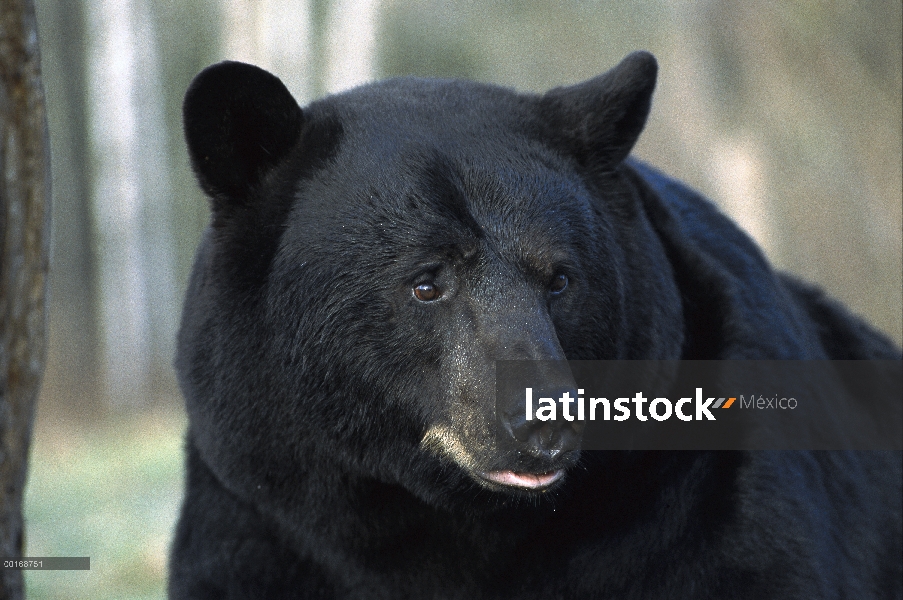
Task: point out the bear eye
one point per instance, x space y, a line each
426 292
559 283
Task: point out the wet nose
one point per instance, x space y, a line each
547 439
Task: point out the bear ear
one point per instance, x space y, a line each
240 121
600 120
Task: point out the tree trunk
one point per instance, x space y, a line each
118 200
351 30
73 344
24 234
276 35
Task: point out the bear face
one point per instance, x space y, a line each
376 253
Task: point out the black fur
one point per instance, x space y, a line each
313 375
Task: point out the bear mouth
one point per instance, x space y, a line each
524 481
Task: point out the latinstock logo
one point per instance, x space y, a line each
694 405
660 409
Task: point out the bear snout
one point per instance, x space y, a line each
545 440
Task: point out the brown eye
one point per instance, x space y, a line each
559 283
426 292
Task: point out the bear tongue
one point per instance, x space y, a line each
524 480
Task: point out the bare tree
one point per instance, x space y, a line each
24 234
131 196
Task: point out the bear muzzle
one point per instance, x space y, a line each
545 440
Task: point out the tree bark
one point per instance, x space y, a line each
24 235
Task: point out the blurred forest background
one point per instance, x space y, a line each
786 114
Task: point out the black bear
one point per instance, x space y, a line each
368 260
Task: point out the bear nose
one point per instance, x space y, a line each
545 439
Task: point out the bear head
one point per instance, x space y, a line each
371 256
